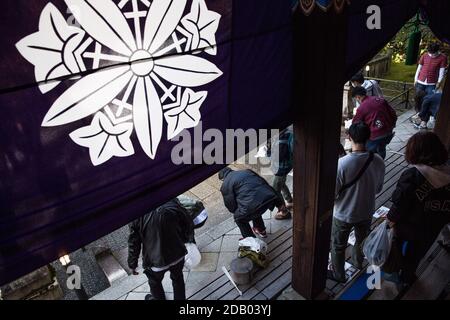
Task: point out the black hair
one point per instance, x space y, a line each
359 132
426 148
433 47
359 77
359 91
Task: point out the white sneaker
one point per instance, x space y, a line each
431 123
415 119
423 125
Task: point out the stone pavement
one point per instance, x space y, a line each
218 246
94 280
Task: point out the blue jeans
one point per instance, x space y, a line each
379 145
430 106
429 89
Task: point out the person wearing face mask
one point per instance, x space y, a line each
431 69
372 87
379 116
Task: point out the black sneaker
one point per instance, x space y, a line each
330 275
149 297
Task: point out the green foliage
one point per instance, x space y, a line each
399 43
400 72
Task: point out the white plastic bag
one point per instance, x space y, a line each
254 244
378 245
193 257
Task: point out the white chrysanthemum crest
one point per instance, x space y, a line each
155 70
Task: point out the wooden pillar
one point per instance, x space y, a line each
320 66
442 127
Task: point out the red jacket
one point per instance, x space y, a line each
378 115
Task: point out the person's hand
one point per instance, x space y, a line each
134 272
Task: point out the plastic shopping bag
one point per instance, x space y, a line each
378 245
254 244
193 257
254 249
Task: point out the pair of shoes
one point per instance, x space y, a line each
259 232
283 215
331 276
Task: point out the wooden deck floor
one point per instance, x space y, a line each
266 283
270 282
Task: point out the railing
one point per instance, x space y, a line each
397 93
400 95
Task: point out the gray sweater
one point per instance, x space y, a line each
357 203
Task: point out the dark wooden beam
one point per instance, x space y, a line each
442 128
320 67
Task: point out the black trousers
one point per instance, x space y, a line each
176 274
246 230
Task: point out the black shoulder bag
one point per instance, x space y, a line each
358 176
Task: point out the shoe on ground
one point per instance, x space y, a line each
431 123
415 119
149 297
358 266
260 233
330 275
283 215
423 125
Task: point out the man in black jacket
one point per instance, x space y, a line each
248 196
162 234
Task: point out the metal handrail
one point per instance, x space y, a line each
405 92
391 81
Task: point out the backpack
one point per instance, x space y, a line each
284 146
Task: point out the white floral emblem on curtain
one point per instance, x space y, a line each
147 58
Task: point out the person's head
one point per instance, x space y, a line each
426 148
224 172
359 93
433 48
359 133
357 80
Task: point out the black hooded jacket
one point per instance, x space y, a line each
246 194
420 210
161 234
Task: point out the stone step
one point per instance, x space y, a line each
110 266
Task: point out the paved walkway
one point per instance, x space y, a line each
218 246
217 241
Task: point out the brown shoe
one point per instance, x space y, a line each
283 215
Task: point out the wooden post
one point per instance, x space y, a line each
442 127
320 52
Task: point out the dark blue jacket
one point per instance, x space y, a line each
247 195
